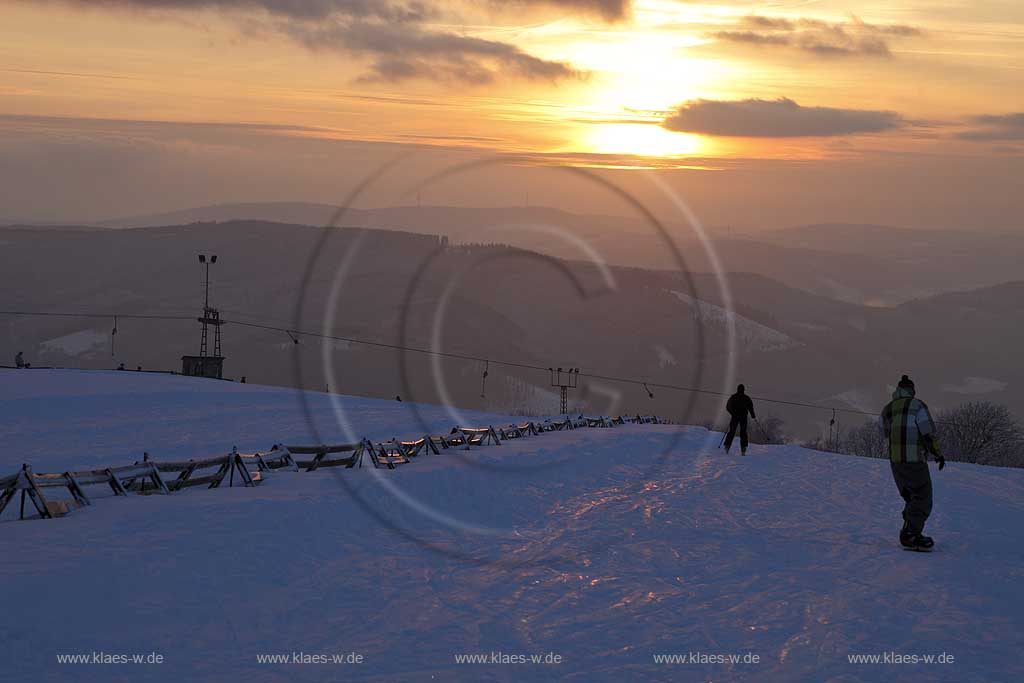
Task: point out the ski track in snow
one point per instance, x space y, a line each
603 546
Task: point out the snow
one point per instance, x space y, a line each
77 343
602 546
749 333
665 357
83 418
857 399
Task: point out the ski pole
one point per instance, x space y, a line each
722 441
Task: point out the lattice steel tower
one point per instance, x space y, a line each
565 380
211 316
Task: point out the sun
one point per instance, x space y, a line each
641 139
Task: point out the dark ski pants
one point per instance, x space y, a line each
915 485
740 422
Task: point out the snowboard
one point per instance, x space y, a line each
914 549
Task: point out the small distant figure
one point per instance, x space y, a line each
907 425
121 366
739 406
398 398
243 379
19 360
138 369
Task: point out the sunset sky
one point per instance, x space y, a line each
230 100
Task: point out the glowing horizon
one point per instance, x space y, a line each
169 65
213 86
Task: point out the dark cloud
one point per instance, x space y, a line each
393 33
770 23
1015 120
996 127
782 118
840 39
608 9
753 37
407 10
389 10
404 52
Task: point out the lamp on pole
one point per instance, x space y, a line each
203 259
211 316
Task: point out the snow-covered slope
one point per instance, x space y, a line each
60 419
604 547
750 334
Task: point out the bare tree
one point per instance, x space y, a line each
866 440
978 432
828 444
981 432
770 430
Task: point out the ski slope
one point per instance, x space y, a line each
605 547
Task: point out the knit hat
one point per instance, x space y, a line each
740 389
906 383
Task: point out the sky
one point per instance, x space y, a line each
759 114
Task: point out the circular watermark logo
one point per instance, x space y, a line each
553 290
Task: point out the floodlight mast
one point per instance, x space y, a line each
211 316
564 380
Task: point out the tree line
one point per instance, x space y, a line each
977 432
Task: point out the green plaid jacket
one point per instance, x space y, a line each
909 428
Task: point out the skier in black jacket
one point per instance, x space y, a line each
738 406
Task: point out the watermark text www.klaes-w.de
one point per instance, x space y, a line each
698 657
892 657
102 657
498 657
301 657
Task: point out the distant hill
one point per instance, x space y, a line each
865 264
300 213
859 238
456 222
501 303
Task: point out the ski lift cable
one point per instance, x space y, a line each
293 332
132 316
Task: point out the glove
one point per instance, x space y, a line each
941 460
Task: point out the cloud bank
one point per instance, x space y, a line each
393 34
840 39
781 118
996 127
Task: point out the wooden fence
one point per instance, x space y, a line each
159 477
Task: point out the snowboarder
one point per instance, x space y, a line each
19 360
738 406
907 425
